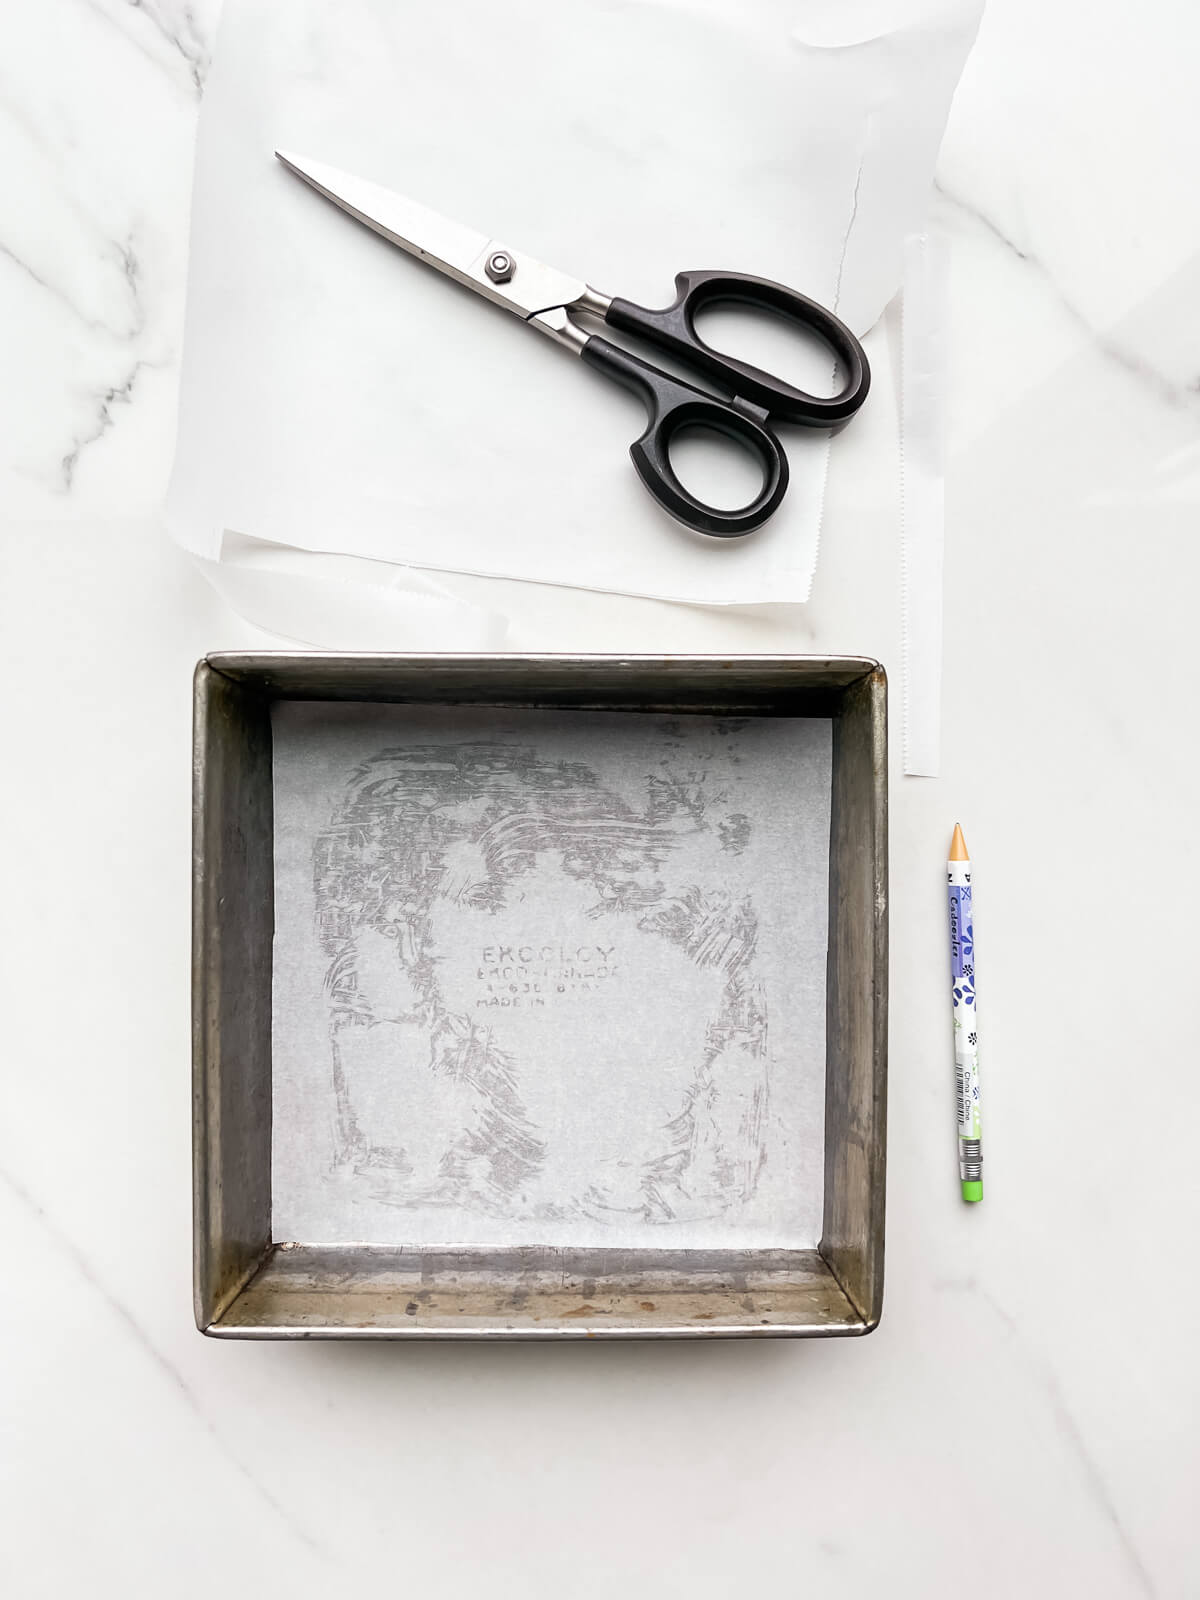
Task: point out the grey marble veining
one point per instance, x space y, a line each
1048 1339
97 112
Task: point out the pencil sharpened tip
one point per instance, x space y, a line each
958 846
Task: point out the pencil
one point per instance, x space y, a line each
966 1026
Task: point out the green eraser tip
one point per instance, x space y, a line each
972 1191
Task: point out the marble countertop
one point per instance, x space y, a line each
1024 1420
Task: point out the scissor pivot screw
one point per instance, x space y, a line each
499 266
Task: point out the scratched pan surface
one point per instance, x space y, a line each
436 836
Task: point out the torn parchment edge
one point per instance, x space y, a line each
922 497
340 602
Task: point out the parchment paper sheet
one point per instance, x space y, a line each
549 978
339 397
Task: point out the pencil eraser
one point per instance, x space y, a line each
972 1191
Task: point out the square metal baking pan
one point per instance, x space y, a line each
248 1285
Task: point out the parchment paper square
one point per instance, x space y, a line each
549 977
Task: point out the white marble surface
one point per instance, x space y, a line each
1024 1421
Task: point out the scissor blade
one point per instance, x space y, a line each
460 252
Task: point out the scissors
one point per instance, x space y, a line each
545 299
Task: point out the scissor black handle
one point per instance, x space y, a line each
673 329
672 405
